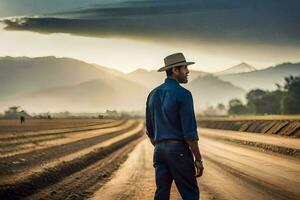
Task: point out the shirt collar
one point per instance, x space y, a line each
170 80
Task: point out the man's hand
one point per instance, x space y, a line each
199 168
198 163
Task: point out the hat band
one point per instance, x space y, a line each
176 63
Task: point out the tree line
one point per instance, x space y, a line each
284 100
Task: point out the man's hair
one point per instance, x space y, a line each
169 71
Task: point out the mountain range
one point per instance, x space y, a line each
240 68
152 78
264 78
56 84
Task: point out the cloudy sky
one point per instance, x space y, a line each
126 35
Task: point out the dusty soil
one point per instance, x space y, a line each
88 151
232 171
26 141
135 178
273 143
113 160
10 126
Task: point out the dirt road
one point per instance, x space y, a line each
233 169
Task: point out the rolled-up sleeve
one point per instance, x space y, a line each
149 123
187 117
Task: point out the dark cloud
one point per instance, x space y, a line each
37 7
267 22
146 8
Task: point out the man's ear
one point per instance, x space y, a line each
175 70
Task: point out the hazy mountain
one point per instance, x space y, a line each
265 78
152 78
111 71
206 88
91 96
56 84
22 75
51 83
210 90
149 79
240 68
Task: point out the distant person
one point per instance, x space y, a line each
22 119
172 129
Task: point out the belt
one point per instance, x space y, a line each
172 141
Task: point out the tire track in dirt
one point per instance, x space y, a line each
265 189
234 171
272 143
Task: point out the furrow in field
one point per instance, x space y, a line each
13 164
57 139
63 167
13 128
93 177
31 135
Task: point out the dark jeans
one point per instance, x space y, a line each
174 162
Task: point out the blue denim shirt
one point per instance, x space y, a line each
170 113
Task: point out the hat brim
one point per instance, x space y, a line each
174 65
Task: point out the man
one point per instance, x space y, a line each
172 129
22 119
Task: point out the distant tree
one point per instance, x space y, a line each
273 102
112 114
279 87
237 107
255 102
284 100
100 116
264 102
125 115
291 99
14 112
210 111
221 107
64 114
13 109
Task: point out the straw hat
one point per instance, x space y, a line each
174 60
